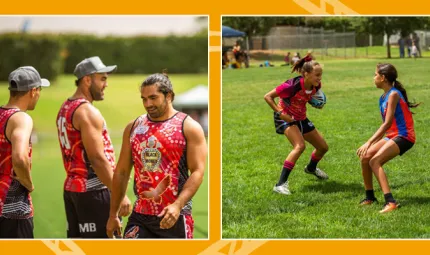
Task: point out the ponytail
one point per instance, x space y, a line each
400 87
305 64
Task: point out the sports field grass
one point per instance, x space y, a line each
253 154
122 104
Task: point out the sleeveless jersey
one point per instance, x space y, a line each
15 200
294 97
159 155
80 174
403 124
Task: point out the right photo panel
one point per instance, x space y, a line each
324 127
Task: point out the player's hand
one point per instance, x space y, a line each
125 207
113 226
361 152
171 215
29 187
286 117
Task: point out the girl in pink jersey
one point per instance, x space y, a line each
398 128
290 119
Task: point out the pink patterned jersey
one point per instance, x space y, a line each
15 200
294 97
159 154
80 174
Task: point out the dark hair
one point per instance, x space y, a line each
162 81
305 64
390 73
17 94
78 81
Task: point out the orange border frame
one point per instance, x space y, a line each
214 245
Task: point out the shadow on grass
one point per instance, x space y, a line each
329 186
407 200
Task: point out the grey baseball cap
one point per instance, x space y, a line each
25 78
92 65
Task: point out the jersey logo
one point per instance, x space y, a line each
155 194
151 156
141 130
132 233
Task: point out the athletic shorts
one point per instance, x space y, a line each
305 126
403 143
16 228
87 213
148 226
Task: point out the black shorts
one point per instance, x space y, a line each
16 228
87 213
148 226
404 144
305 125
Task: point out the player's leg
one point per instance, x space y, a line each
93 213
390 150
71 215
312 136
183 228
16 228
139 226
25 228
367 173
295 137
8 228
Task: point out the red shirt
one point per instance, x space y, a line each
15 200
160 163
294 97
80 174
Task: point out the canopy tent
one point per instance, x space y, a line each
195 103
230 32
196 98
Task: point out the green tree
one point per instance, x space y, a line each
251 25
392 25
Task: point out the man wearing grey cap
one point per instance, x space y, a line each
16 209
88 154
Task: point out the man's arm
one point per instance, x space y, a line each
18 132
90 122
196 159
122 173
119 183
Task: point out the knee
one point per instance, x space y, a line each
374 163
365 159
323 149
300 147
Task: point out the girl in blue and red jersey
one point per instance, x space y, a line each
290 119
398 128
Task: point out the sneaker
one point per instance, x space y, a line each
282 189
390 206
318 173
368 201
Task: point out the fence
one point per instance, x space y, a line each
323 43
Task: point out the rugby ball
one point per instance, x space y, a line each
318 100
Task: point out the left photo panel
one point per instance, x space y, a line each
104 127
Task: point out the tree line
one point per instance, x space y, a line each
380 25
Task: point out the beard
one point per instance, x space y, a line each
157 111
96 94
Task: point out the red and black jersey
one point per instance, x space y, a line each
159 154
80 174
294 97
15 200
